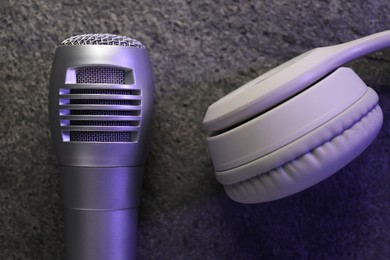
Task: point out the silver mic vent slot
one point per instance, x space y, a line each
100 75
100 105
102 136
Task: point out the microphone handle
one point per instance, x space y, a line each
101 210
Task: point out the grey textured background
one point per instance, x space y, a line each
200 51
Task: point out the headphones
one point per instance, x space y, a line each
295 125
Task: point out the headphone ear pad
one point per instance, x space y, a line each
330 147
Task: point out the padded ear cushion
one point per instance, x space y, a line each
346 136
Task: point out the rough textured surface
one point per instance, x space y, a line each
200 50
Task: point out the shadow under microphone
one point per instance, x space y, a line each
100 109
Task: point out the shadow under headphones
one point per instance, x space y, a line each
295 125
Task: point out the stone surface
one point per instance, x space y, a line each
200 51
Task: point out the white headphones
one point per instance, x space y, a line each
295 125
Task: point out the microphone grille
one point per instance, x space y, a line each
102 39
100 104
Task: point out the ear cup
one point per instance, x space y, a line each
311 158
295 125
283 124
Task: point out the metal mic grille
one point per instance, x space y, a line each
100 106
101 136
100 75
105 112
102 39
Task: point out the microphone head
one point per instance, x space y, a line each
101 101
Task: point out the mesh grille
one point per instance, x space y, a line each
103 75
130 116
101 136
106 112
103 39
105 101
107 91
105 123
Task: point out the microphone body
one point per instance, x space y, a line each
100 109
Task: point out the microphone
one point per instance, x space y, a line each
100 110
